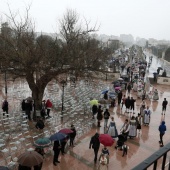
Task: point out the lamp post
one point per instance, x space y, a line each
63 83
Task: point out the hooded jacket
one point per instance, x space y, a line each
162 127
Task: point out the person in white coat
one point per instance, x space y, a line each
147 115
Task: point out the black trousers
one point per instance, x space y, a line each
48 112
95 154
71 141
119 100
161 138
63 147
56 154
163 108
132 107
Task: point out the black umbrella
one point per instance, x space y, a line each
155 73
160 68
115 82
4 168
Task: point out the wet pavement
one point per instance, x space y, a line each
81 157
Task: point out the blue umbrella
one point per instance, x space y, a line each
58 136
104 91
4 168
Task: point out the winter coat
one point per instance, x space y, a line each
127 102
73 134
120 95
94 142
99 114
106 115
162 128
48 104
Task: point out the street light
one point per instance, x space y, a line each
63 83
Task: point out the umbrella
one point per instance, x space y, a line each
155 73
117 88
106 139
42 143
104 91
160 68
4 168
115 82
120 79
66 131
102 101
30 158
57 136
29 98
93 102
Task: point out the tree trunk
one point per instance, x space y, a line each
37 89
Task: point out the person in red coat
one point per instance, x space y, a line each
48 107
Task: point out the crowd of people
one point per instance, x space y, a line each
133 124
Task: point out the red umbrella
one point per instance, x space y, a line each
106 139
66 131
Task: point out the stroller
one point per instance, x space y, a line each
120 142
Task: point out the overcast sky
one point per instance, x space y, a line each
143 18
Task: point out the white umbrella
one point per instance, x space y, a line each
120 78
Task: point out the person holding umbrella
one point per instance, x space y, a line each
56 149
95 144
41 152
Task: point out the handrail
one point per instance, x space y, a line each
153 159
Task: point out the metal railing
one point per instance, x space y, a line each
153 159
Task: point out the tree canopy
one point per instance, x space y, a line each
40 59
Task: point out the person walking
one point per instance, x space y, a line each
147 116
123 101
164 104
106 95
112 130
162 129
127 104
139 122
132 104
94 110
132 128
56 149
72 136
106 117
95 144
119 97
129 87
99 116
48 107
5 107
125 129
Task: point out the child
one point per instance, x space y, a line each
40 124
125 149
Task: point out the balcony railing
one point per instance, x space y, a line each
153 160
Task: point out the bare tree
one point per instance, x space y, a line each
40 59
